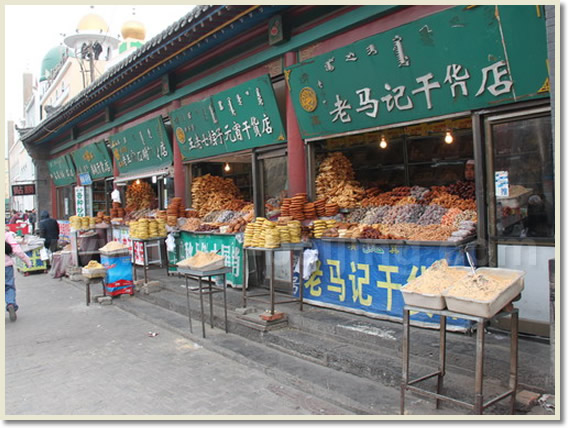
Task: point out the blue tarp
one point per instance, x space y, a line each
367 278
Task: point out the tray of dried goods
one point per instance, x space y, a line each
426 290
93 270
203 261
114 248
485 293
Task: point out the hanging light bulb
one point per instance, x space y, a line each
449 138
138 181
383 144
227 167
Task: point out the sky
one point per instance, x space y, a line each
32 30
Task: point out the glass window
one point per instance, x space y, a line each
416 155
274 182
99 196
522 153
65 202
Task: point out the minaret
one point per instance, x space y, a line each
92 43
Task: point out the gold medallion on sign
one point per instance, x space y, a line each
308 99
180 135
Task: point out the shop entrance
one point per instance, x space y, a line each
521 205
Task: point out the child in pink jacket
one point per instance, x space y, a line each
12 249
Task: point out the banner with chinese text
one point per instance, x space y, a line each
93 159
189 243
461 59
239 118
62 170
367 277
143 147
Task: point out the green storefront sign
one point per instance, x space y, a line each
93 159
242 117
187 244
461 59
143 147
62 170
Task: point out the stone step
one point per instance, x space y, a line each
352 393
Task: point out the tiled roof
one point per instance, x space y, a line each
158 52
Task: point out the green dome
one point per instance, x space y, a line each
52 59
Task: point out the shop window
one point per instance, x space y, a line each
524 168
274 181
65 202
99 197
407 156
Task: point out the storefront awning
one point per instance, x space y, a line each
143 147
94 159
143 174
458 60
62 170
239 118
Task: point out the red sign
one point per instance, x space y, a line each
23 189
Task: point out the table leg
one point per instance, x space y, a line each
271 282
103 282
188 307
514 358
405 352
245 278
88 290
478 406
144 248
442 367
301 280
202 312
211 302
225 301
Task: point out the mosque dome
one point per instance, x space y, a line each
93 23
52 59
133 29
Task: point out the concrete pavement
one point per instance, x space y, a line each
64 358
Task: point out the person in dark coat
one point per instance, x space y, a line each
49 230
32 219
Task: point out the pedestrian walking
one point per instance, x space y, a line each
32 219
49 230
12 249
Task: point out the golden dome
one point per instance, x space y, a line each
92 22
133 30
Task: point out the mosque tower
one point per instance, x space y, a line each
93 46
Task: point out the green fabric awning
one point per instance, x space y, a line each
62 170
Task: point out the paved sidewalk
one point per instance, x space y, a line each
64 358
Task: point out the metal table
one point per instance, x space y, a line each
479 405
147 243
284 247
209 290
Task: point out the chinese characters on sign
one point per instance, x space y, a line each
495 73
80 202
369 277
144 146
227 245
242 117
426 68
23 189
62 170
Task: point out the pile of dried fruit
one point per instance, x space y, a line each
211 193
336 182
139 195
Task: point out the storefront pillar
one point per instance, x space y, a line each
53 190
115 172
179 178
296 153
